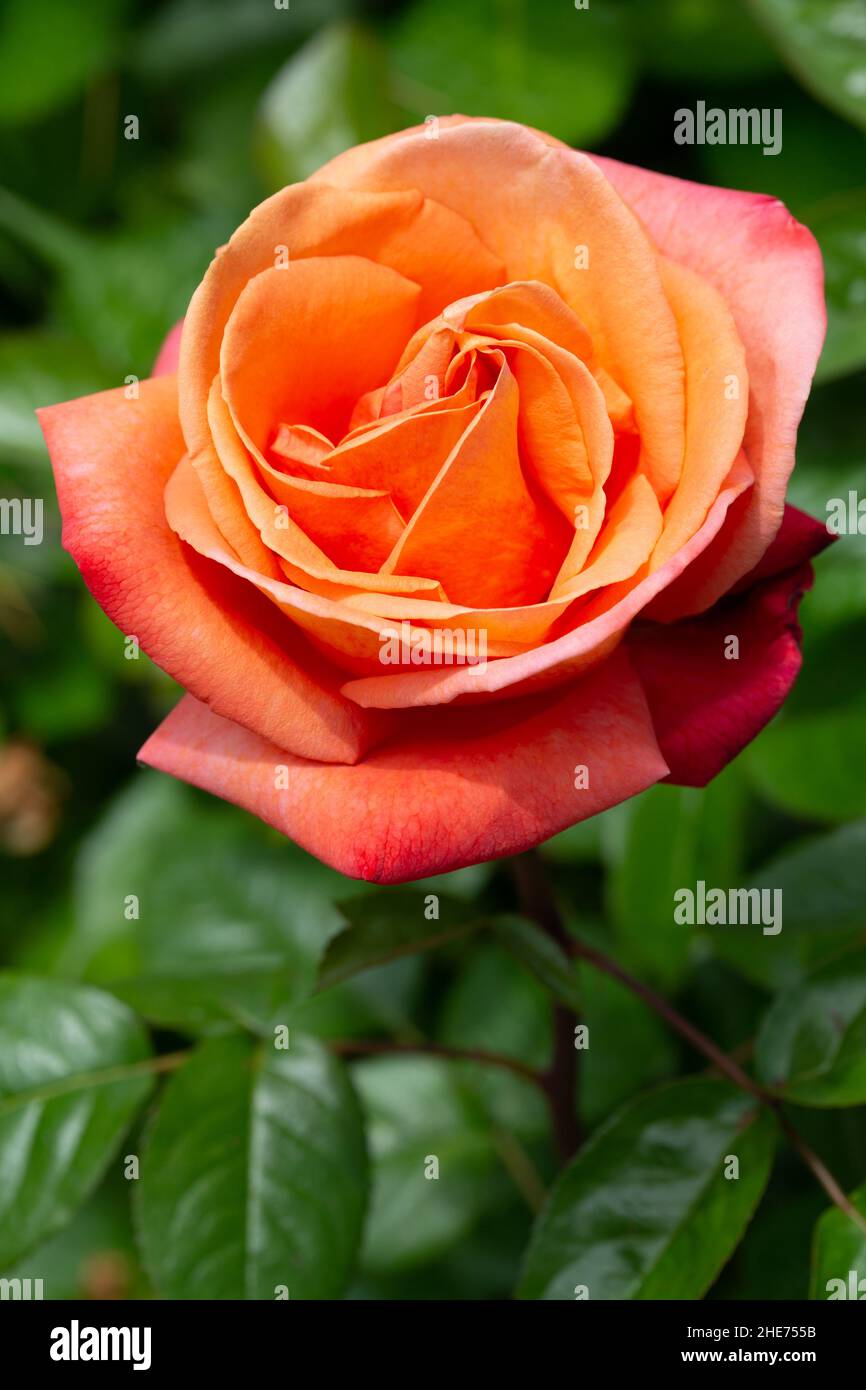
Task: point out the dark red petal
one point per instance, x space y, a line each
705 706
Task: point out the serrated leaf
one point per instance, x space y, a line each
838 1252
70 1086
645 1210
812 1043
254 1175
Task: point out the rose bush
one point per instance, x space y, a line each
475 384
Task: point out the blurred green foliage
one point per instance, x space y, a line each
102 241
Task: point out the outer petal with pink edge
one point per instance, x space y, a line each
455 788
768 268
111 458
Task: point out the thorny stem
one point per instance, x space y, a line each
561 1080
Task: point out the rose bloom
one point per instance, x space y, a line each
475 392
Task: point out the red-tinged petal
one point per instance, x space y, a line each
799 538
707 706
457 787
210 631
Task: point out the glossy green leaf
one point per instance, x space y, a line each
646 1210
838 1269
824 44
254 1175
332 94
70 1085
194 914
812 1044
545 63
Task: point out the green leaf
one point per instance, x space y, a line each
383 926
840 226
712 39
645 1210
838 1248
651 853
38 368
540 954
119 293
254 1175
564 71
417 1112
70 1087
809 762
50 50
824 44
812 1043
495 1005
629 1048
95 1253
331 95
231 921
191 35
822 881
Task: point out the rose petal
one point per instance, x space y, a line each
456 788
557 202
707 707
768 268
111 458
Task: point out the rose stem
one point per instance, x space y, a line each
561 1080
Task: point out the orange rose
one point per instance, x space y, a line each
474 463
